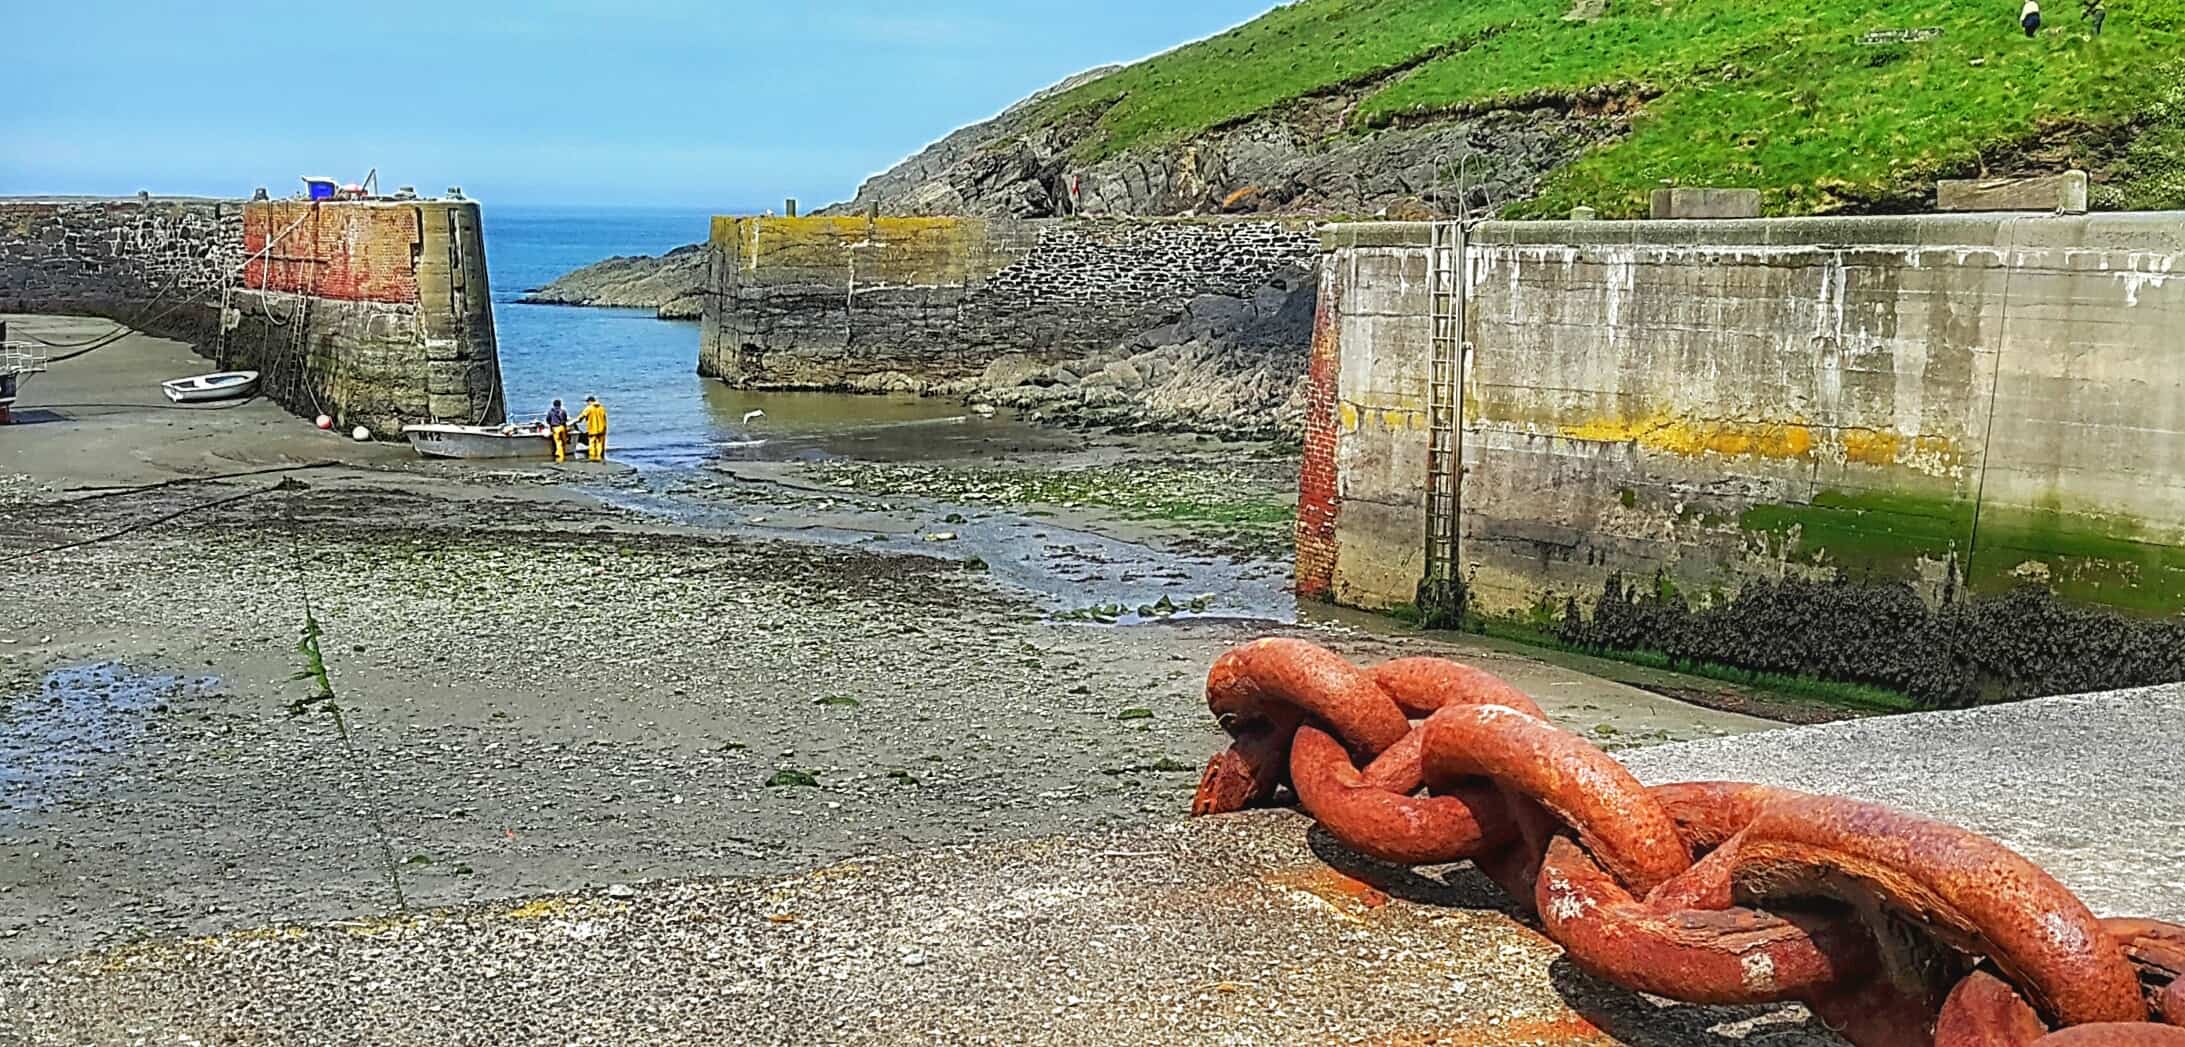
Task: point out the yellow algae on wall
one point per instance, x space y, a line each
915 251
1689 437
1935 455
1692 437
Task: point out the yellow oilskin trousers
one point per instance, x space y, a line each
561 443
595 431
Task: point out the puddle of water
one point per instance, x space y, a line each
781 427
75 723
1065 568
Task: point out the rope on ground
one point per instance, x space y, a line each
285 484
315 670
116 490
223 405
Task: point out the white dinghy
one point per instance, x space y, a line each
205 388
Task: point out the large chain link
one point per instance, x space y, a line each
1892 928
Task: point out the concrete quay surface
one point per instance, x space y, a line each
1240 930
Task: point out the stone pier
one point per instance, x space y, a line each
378 312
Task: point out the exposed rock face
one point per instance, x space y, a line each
667 283
924 184
1298 160
1230 366
1275 165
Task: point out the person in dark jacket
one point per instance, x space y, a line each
2030 17
557 423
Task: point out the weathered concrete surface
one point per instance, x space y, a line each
2064 192
377 312
1695 203
1229 930
1365 484
1978 400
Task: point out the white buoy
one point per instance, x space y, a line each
753 414
326 421
360 434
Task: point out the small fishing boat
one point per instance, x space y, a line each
205 388
514 440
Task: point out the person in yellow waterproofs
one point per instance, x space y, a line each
594 421
557 426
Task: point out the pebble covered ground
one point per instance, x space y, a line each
543 694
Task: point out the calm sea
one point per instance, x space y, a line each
645 370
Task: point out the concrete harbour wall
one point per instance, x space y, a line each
1949 403
377 312
894 303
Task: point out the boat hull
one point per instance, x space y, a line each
455 441
207 388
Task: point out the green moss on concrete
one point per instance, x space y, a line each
1867 532
2088 559
2082 557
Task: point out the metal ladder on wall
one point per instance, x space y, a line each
1438 589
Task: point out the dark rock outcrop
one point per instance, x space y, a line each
668 284
1232 366
927 182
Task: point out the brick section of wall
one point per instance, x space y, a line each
352 252
1318 498
834 302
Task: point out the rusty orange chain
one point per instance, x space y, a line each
1893 929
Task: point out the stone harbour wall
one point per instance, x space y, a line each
377 312
1818 431
1954 402
106 256
907 303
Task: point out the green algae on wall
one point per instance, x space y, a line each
2083 557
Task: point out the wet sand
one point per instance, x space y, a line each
548 684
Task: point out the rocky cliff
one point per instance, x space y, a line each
1288 161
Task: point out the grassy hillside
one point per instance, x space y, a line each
1775 93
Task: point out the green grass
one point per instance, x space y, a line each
1288 53
1778 94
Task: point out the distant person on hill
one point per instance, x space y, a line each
2030 17
557 423
594 420
2093 11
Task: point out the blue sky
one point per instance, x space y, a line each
672 102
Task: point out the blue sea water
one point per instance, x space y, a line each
661 414
644 369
